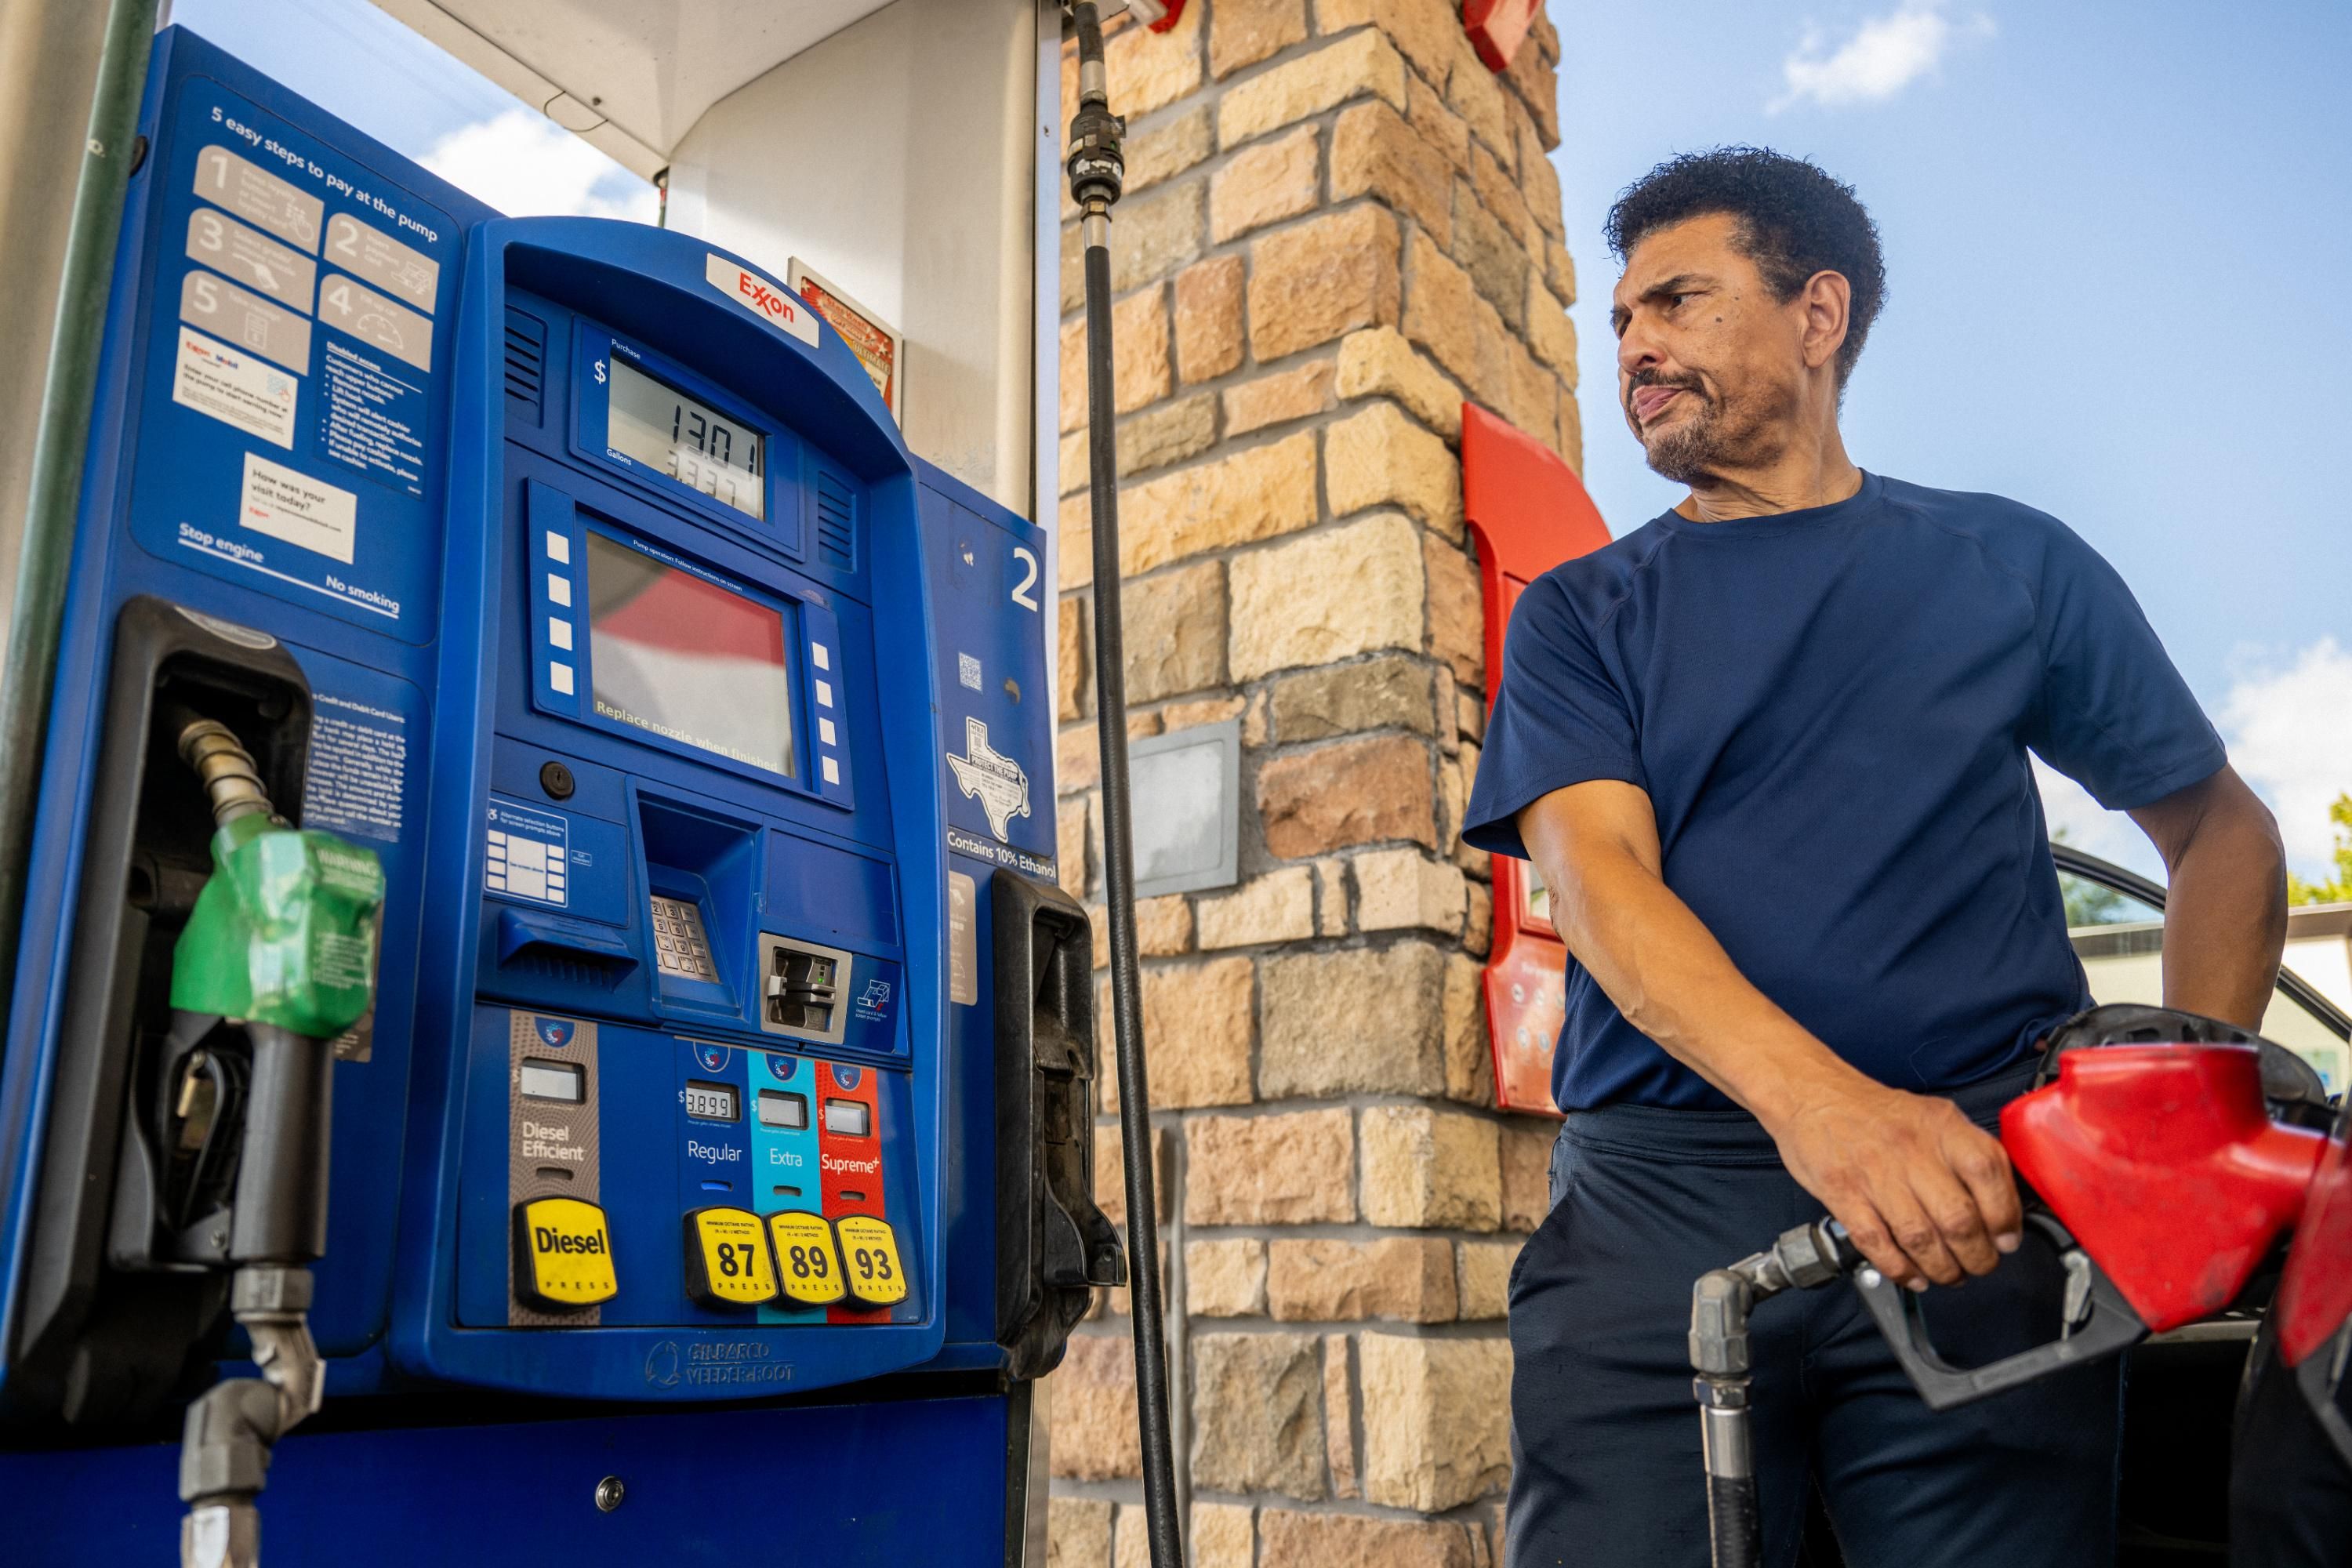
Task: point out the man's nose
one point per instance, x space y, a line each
1639 350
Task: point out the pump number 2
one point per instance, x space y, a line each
1024 591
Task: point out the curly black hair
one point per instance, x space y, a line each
1795 220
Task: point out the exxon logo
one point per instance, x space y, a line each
765 300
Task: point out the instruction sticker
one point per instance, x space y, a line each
298 509
252 322
235 388
369 253
368 316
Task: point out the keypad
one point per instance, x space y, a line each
680 948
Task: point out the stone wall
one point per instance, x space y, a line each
1339 224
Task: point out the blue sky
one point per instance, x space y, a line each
2115 238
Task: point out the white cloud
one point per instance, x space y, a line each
2290 731
526 165
2092 827
1885 54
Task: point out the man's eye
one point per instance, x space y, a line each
1675 300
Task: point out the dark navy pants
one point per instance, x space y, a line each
1604 1433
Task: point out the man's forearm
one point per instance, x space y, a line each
2225 915
1674 982
2225 924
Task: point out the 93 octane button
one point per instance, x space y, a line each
727 1262
806 1260
870 1249
563 1253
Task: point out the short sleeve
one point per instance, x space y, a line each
2115 715
1559 719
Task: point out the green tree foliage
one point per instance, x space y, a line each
2339 888
2087 903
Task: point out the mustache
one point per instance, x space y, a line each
1685 383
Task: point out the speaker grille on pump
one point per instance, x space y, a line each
836 506
525 366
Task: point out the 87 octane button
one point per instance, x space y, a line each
870 1248
727 1262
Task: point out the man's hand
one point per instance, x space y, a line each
1924 1192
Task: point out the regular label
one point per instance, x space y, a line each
351 307
235 388
298 509
382 260
247 319
258 196
261 264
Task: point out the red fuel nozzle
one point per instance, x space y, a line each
2165 1165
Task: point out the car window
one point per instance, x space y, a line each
2120 939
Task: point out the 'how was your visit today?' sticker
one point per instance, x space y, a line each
299 510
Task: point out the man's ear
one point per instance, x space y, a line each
1826 298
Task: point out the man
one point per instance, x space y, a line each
1769 752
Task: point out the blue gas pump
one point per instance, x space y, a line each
713 1170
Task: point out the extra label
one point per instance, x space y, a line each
563 1253
727 1262
805 1258
869 1247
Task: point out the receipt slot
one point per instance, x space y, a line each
730 1040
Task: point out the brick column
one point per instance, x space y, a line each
1339 226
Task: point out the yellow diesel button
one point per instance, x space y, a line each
805 1259
726 1260
563 1255
870 1248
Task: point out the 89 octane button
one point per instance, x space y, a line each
806 1260
727 1262
870 1249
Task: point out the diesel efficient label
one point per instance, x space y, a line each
552 1158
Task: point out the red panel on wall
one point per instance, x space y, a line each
1529 512
1498 28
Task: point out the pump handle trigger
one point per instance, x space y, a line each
2098 1323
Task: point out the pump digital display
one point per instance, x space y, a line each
778 1108
690 441
847 1118
551 1080
710 1101
685 659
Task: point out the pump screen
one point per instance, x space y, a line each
683 657
777 1109
710 1101
690 441
551 1080
847 1118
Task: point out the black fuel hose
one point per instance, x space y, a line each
1095 170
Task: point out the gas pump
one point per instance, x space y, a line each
654 1014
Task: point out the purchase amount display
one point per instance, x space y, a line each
690 441
683 657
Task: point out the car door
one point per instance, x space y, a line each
2182 1388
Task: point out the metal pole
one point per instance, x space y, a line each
1095 171
61 444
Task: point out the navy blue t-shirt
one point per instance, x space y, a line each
1831 711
